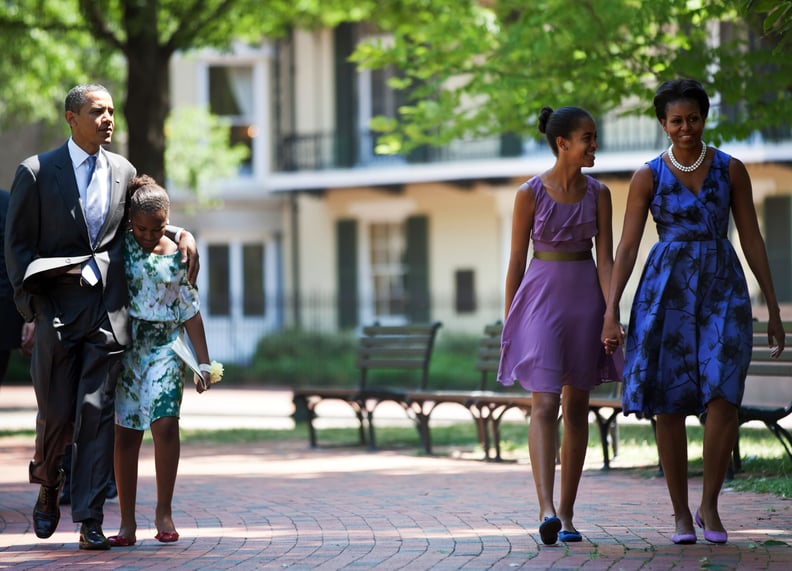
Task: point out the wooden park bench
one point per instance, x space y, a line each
404 349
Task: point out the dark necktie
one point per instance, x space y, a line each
93 201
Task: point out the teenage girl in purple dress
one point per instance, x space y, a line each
551 336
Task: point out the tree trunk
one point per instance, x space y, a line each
146 107
148 92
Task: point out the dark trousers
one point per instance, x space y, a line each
75 364
5 355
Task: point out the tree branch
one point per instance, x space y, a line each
92 12
191 28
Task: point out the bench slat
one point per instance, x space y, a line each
394 352
383 363
764 369
761 327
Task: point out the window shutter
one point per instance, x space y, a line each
778 237
346 257
417 269
510 145
345 97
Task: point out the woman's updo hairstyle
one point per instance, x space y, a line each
560 123
146 196
678 89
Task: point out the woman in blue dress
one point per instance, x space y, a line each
689 337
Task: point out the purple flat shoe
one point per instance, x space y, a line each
684 538
709 535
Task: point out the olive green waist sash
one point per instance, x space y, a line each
563 256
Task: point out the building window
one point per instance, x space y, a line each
253 264
231 97
387 249
219 280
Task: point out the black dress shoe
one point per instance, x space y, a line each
91 535
46 511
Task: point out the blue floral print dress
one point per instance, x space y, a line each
690 334
160 301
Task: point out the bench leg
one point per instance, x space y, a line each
614 437
422 421
482 431
361 427
735 462
311 430
782 434
420 412
304 411
608 427
496 438
482 416
372 439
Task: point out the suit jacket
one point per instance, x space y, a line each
10 320
45 219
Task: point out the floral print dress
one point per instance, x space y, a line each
689 337
160 301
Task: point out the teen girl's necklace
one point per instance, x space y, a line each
692 167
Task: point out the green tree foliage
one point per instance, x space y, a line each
198 150
475 68
469 67
51 45
777 18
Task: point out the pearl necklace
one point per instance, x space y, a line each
692 167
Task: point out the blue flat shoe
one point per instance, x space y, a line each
569 536
548 530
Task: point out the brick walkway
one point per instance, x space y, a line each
283 506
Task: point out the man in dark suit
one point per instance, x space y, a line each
65 229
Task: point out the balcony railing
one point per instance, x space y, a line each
322 151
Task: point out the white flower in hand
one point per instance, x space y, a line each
210 374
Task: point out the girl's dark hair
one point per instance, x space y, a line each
677 89
146 196
560 123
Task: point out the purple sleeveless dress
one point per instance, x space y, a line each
551 336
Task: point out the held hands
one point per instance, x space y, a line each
612 335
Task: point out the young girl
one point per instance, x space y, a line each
550 341
149 391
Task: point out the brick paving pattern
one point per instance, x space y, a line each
281 505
